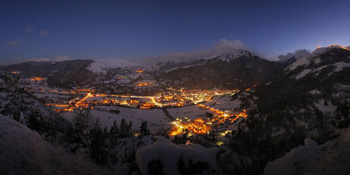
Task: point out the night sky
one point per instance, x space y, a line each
132 29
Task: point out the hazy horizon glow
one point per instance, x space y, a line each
59 30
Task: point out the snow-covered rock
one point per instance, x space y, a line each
169 154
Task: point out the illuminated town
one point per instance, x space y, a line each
86 98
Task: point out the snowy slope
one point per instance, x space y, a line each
102 65
297 55
331 158
305 59
233 54
23 151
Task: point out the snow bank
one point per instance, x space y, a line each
23 151
331 158
169 154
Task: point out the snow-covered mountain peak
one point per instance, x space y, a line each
234 53
315 56
321 50
101 65
297 55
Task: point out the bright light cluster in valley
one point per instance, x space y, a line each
85 98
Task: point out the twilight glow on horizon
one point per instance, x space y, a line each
134 29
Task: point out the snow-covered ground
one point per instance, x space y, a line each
192 112
101 65
23 151
331 158
224 103
339 66
170 154
156 118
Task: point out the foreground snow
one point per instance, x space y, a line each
331 158
169 154
23 151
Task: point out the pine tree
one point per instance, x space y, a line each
35 121
129 131
342 118
144 131
98 144
123 131
113 134
82 122
113 142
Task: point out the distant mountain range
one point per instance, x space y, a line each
233 69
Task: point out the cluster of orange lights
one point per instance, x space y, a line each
144 84
37 79
57 105
199 126
79 104
15 72
140 71
147 105
121 77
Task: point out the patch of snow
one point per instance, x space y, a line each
325 109
303 73
315 92
340 66
303 61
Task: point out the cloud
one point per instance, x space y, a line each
44 32
29 28
12 43
218 48
61 58
227 45
44 59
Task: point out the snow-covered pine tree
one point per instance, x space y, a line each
144 131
